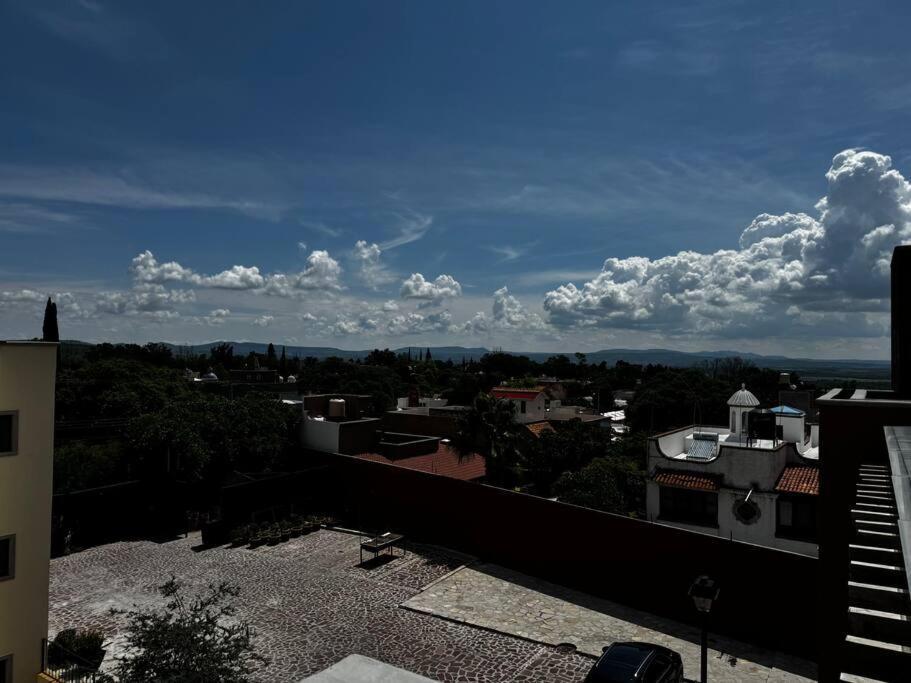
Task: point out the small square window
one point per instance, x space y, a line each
9 423
7 557
6 669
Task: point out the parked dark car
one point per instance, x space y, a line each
636 663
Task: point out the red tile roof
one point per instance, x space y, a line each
799 479
538 428
515 392
688 480
445 461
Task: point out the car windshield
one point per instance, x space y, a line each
618 665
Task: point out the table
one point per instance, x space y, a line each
384 542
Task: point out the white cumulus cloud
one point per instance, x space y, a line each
431 292
786 267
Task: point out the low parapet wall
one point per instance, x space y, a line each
767 596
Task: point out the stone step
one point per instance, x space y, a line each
876 506
877 524
887 626
877 596
876 659
875 572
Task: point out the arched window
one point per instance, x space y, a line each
733 422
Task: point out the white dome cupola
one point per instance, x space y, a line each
742 402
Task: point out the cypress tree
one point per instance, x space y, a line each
270 356
427 355
49 330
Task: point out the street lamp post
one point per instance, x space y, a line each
704 592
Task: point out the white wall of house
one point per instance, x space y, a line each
760 532
792 427
534 409
319 435
27 372
741 469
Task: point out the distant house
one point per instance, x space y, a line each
754 480
531 404
254 376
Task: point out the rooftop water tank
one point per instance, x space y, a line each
336 407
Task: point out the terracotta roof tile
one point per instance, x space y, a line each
688 480
445 461
538 428
516 392
799 479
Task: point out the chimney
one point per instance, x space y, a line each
901 321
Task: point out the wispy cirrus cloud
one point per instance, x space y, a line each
80 186
22 217
412 226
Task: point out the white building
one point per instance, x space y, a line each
531 404
27 371
755 480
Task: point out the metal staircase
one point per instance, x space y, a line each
877 645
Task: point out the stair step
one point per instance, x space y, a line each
887 626
877 596
882 538
875 658
876 506
875 497
874 553
876 513
875 572
875 523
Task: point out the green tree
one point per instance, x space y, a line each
489 428
194 639
49 329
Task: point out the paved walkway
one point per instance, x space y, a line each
311 604
507 602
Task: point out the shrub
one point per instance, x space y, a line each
79 647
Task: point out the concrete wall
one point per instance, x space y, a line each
767 595
319 435
27 384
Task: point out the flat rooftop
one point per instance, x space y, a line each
434 613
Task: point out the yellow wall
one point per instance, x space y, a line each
27 384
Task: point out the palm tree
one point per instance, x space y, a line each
490 429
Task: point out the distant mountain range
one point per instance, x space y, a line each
805 366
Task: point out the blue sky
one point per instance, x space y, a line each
493 145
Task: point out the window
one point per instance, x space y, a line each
796 517
7 557
522 407
733 421
657 670
6 669
9 427
691 507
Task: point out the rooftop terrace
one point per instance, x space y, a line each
435 613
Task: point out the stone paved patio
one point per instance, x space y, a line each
495 598
311 606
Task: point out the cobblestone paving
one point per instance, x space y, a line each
310 604
495 598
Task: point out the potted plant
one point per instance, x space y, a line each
285 526
240 535
296 524
275 534
257 535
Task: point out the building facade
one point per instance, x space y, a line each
27 372
731 482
